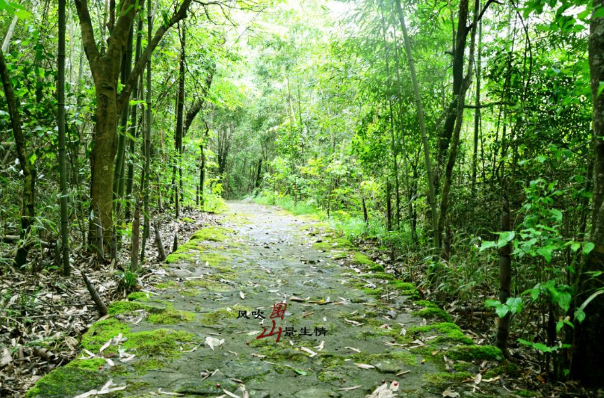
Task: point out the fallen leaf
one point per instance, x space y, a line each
448 393
350 388
6 358
365 366
214 342
242 295
175 394
353 349
309 351
320 346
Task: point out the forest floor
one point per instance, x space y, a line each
347 330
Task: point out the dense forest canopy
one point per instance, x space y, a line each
463 138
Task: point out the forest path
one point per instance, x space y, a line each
190 336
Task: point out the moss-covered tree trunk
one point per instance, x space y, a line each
106 68
588 358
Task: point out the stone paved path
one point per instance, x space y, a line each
347 326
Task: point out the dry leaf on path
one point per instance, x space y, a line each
214 342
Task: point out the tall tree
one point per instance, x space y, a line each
422 126
588 358
61 125
106 68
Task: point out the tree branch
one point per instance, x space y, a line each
92 52
197 105
140 65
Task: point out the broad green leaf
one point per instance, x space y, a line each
575 246
589 246
546 253
505 238
487 244
502 311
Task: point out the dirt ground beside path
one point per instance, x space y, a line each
347 328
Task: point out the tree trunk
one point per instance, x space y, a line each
458 77
505 276
452 158
106 67
27 167
422 127
180 110
588 358
477 112
147 140
61 125
202 177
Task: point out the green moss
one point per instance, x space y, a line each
190 292
394 360
208 285
475 352
140 296
378 268
100 332
506 368
160 342
214 234
327 376
400 285
446 331
90 364
187 220
328 244
373 292
361 259
144 365
444 379
378 275
171 316
67 381
432 313
464 366
213 318
213 259
179 256
120 307
425 303
166 285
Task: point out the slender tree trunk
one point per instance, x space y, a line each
147 140
477 112
27 167
202 177
61 125
134 119
588 358
444 203
458 78
258 175
388 206
422 127
180 110
505 276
